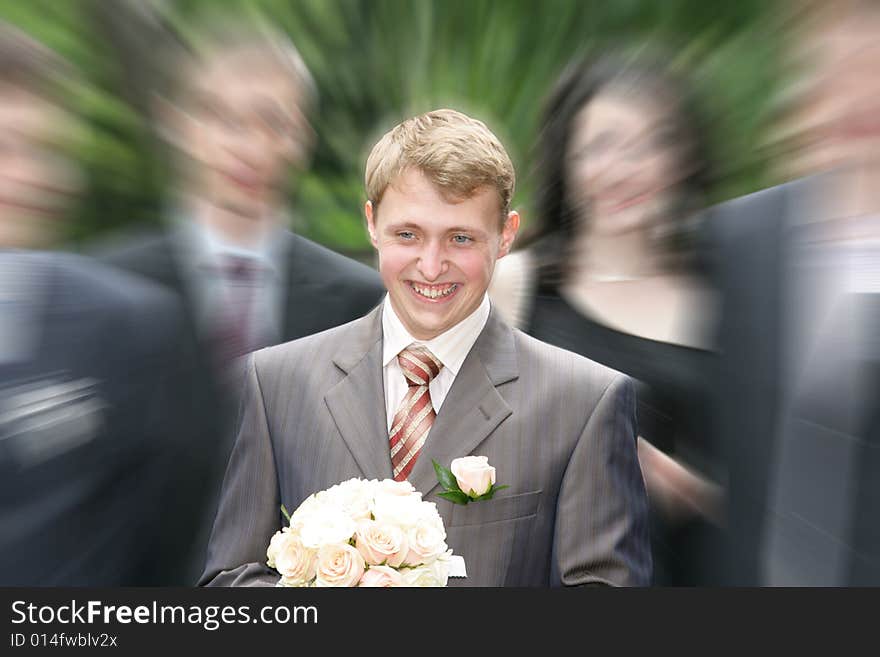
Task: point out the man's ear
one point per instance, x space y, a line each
508 233
371 223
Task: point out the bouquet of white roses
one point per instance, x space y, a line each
362 533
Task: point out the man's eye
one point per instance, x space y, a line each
405 235
276 124
462 239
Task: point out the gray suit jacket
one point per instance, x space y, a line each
559 429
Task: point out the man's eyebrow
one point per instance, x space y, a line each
402 224
466 229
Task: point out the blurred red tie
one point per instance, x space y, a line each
234 335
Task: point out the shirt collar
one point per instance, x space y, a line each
209 248
450 347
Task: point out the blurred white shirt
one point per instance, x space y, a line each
201 255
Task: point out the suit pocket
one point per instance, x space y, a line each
497 509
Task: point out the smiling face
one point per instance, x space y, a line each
623 161
436 254
243 127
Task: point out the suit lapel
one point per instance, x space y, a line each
473 408
297 289
357 403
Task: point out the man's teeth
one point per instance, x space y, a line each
434 292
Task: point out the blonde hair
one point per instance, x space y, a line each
457 153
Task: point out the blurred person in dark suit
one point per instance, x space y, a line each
799 270
85 356
612 272
236 119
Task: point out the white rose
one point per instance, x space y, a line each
339 565
294 561
328 527
391 487
474 474
294 583
430 514
440 568
382 576
274 546
354 497
420 577
432 575
405 511
310 507
354 486
426 541
381 543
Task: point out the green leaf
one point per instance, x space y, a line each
489 494
446 478
286 514
456 497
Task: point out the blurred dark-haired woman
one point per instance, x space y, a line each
613 271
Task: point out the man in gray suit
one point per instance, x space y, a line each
435 374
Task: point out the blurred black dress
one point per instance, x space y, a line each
674 415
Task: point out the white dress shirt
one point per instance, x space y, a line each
450 348
203 254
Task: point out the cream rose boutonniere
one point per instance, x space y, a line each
468 479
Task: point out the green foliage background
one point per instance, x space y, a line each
377 61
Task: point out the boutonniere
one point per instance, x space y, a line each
468 479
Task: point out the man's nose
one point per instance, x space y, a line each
432 262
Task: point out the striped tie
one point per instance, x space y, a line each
415 415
